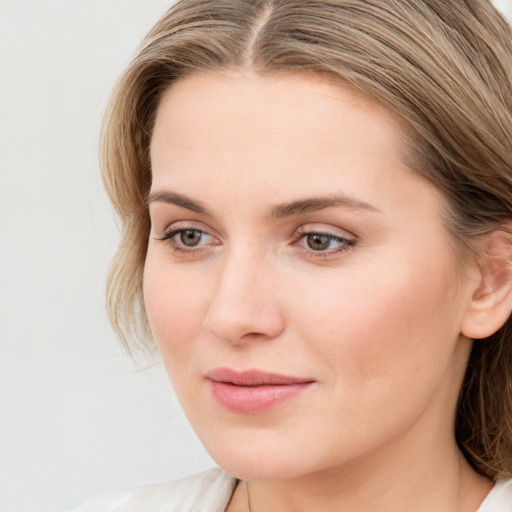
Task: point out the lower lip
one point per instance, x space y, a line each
254 399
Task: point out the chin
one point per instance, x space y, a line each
261 468
259 457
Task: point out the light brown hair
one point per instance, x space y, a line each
445 68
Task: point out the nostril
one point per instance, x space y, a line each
243 322
244 306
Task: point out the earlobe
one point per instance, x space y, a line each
491 301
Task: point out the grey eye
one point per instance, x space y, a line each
190 237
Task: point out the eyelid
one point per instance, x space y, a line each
326 229
172 232
169 237
183 225
345 241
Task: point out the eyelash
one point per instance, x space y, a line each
168 236
345 243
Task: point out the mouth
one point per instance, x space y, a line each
254 391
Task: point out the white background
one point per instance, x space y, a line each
78 418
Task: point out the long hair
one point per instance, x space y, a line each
444 67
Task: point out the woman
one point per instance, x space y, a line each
317 209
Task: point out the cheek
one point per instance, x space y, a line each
374 328
175 304
384 350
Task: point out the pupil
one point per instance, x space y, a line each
190 237
318 242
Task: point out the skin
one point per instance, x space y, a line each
375 317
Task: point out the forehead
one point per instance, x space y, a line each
281 107
284 135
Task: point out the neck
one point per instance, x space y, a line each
398 479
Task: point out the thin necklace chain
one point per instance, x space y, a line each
248 496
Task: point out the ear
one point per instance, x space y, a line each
491 301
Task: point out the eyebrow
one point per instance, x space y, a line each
298 207
314 204
165 196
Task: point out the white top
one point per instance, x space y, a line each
211 491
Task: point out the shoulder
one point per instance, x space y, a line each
207 491
499 499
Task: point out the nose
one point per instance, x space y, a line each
245 305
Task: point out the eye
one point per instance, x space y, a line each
323 243
318 241
190 237
187 239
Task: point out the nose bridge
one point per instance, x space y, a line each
244 301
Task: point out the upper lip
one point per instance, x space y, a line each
253 377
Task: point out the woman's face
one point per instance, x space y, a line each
299 280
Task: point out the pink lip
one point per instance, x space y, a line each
253 391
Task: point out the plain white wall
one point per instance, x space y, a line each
78 418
